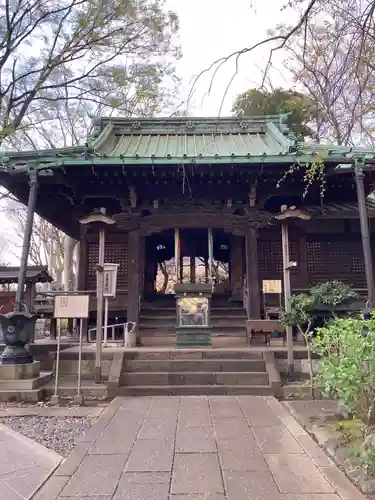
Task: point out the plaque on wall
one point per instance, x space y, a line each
272 286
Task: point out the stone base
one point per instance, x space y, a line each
190 337
22 382
20 372
26 383
27 396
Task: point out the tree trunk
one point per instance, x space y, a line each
163 269
69 244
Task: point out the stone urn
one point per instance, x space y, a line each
18 330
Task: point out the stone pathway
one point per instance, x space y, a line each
197 448
24 465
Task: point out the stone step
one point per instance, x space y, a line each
168 340
171 313
192 353
172 307
25 396
160 322
194 378
192 390
90 391
26 384
233 328
195 365
215 334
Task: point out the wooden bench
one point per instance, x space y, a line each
264 327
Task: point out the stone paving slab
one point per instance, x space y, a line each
197 448
24 465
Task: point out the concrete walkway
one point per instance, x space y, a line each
24 465
197 448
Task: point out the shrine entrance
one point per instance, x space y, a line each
187 256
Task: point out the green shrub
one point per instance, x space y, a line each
346 369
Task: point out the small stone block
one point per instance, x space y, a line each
55 400
79 400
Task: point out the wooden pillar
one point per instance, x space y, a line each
142 258
181 268
236 266
82 271
134 257
252 273
192 269
53 329
177 254
302 264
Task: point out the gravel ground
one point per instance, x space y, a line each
56 433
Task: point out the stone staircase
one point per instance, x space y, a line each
148 372
157 326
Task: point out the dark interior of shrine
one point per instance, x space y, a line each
194 244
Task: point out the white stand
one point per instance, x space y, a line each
78 399
105 321
55 399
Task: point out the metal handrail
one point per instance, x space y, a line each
245 297
127 329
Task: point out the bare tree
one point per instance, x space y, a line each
48 246
4 251
352 22
334 66
105 53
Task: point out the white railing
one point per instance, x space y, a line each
245 297
127 329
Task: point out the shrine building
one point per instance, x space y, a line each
194 200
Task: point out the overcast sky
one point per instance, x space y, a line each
211 29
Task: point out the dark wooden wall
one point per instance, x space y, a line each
320 258
323 252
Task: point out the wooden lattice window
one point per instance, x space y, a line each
315 256
358 263
270 259
116 253
93 258
337 257
341 260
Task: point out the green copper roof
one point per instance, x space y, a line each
132 141
178 139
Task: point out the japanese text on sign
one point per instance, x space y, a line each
271 286
71 306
